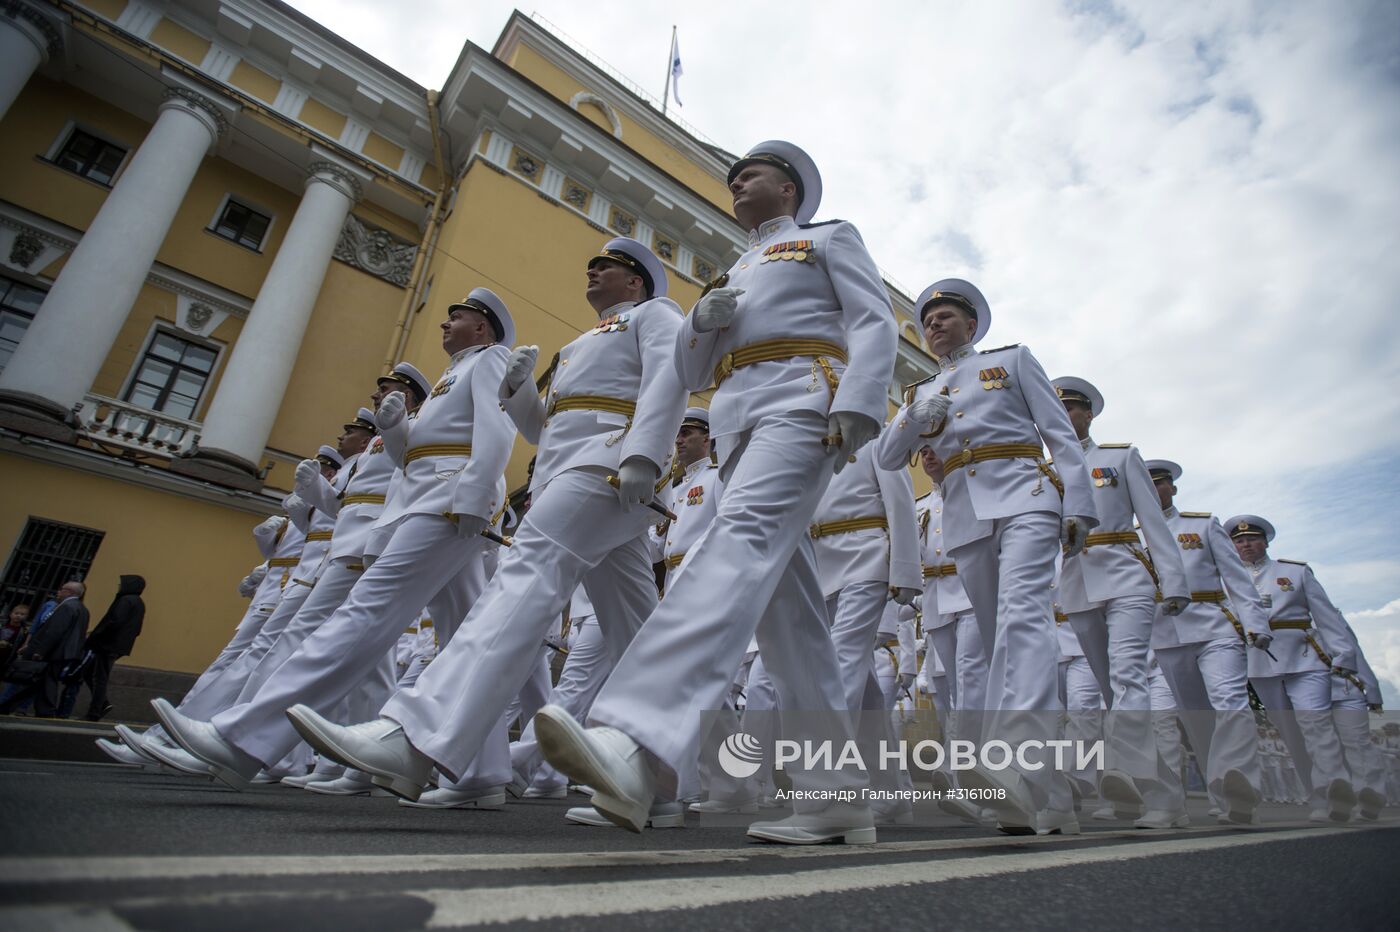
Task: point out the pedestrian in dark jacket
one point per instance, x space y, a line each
113 638
57 643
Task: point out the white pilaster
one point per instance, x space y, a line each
250 392
27 40
79 320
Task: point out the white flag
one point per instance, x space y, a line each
676 70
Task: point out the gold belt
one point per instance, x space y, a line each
284 561
674 560
437 449
891 644
1291 624
319 535
1061 618
302 582
1212 595
992 451
775 350
1110 537
946 569
362 500
355 567
591 403
847 525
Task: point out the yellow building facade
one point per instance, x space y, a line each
220 222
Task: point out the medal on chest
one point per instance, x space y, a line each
800 250
695 496
995 377
1285 584
443 386
1190 541
1105 476
614 324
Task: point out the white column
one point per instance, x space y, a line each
74 330
250 392
27 40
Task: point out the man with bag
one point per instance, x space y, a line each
50 649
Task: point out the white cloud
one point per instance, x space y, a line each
1378 632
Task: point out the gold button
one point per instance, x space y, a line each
956 390
938 511
938 551
972 472
744 265
959 414
938 530
967 441
952 368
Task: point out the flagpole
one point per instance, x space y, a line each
670 57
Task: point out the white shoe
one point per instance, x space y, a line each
583 789
724 806
1319 815
957 808
180 761
1370 801
1119 789
354 783
546 792
1007 796
770 802
843 822
122 754
137 742
1240 796
229 765
379 748
1105 814
1055 822
266 778
661 815
518 784
899 812
1341 798
1162 818
605 758
448 798
301 781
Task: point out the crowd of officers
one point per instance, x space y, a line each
403 622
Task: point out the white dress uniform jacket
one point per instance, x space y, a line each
320 529
1112 569
1294 598
693 502
944 596
999 396
889 554
457 447
625 358
1214 571
833 294
286 554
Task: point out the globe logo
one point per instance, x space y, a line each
740 755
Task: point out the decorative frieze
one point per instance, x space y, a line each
375 251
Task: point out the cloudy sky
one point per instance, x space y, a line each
1193 205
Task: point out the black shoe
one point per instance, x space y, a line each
105 711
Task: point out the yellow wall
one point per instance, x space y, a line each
192 554
320 117
553 79
108 8
382 151
255 81
177 39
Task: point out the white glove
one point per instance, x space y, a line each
854 430
905 596
308 471
469 526
520 367
1261 641
391 411
1073 530
930 410
636 482
270 526
716 309
250 583
1174 605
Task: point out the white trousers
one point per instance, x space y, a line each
1306 698
753 574
1211 688
1083 714
587 665
1007 576
760 720
1167 735
855 614
1353 723
534 693
959 646
575 530
243 635
425 559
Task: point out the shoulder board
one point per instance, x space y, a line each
1294 562
712 465
909 389
821 223
1194 514
998 349
1114 446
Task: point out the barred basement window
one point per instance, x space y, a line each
47 555
242 224
95 159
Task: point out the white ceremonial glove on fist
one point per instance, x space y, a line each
250 583
930 410
308 471
906 596
636 482
1261 641
1073 530
520 367
848 432
1174 605
469 526
391 411
716 309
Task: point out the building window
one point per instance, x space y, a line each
18 305
242 224
171 375
47 555
95 159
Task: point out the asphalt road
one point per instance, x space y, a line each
107 847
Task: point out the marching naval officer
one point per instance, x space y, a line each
799 340
1006 510
1110 592
452 484
613 409
1202 652
1311 646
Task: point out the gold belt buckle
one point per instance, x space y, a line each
726 366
